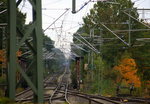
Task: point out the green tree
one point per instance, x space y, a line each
4 19
112 16
105 18
48 43
4 16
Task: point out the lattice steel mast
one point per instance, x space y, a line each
34 31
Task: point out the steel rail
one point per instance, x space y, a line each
28 90
92 98
56 89
66 92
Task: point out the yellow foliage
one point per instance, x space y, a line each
128 71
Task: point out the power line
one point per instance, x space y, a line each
54 2
88 42
53 8
136 19
56 19
73 27
140 3
24 2
95 50
83 6
136 1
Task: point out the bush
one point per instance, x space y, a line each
3 79
5 101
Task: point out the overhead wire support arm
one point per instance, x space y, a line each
3 11
106 1
74 6
87 45
18 2
56 19
83 6
115 34
136 19
88 42
79 47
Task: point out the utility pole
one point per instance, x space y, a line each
129 22
78 71
34 30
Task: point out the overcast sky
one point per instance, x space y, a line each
63 29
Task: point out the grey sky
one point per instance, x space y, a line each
52 9
63 29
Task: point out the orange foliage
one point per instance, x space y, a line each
2 54
127 69
3 59
19 53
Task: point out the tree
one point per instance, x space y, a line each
3 58
4 16
104 17
142 57
128 72
48 43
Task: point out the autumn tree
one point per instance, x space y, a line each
127 69
3 58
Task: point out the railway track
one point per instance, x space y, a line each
93 99
49 84
133 100
63 82
28 93
60 94
90 99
